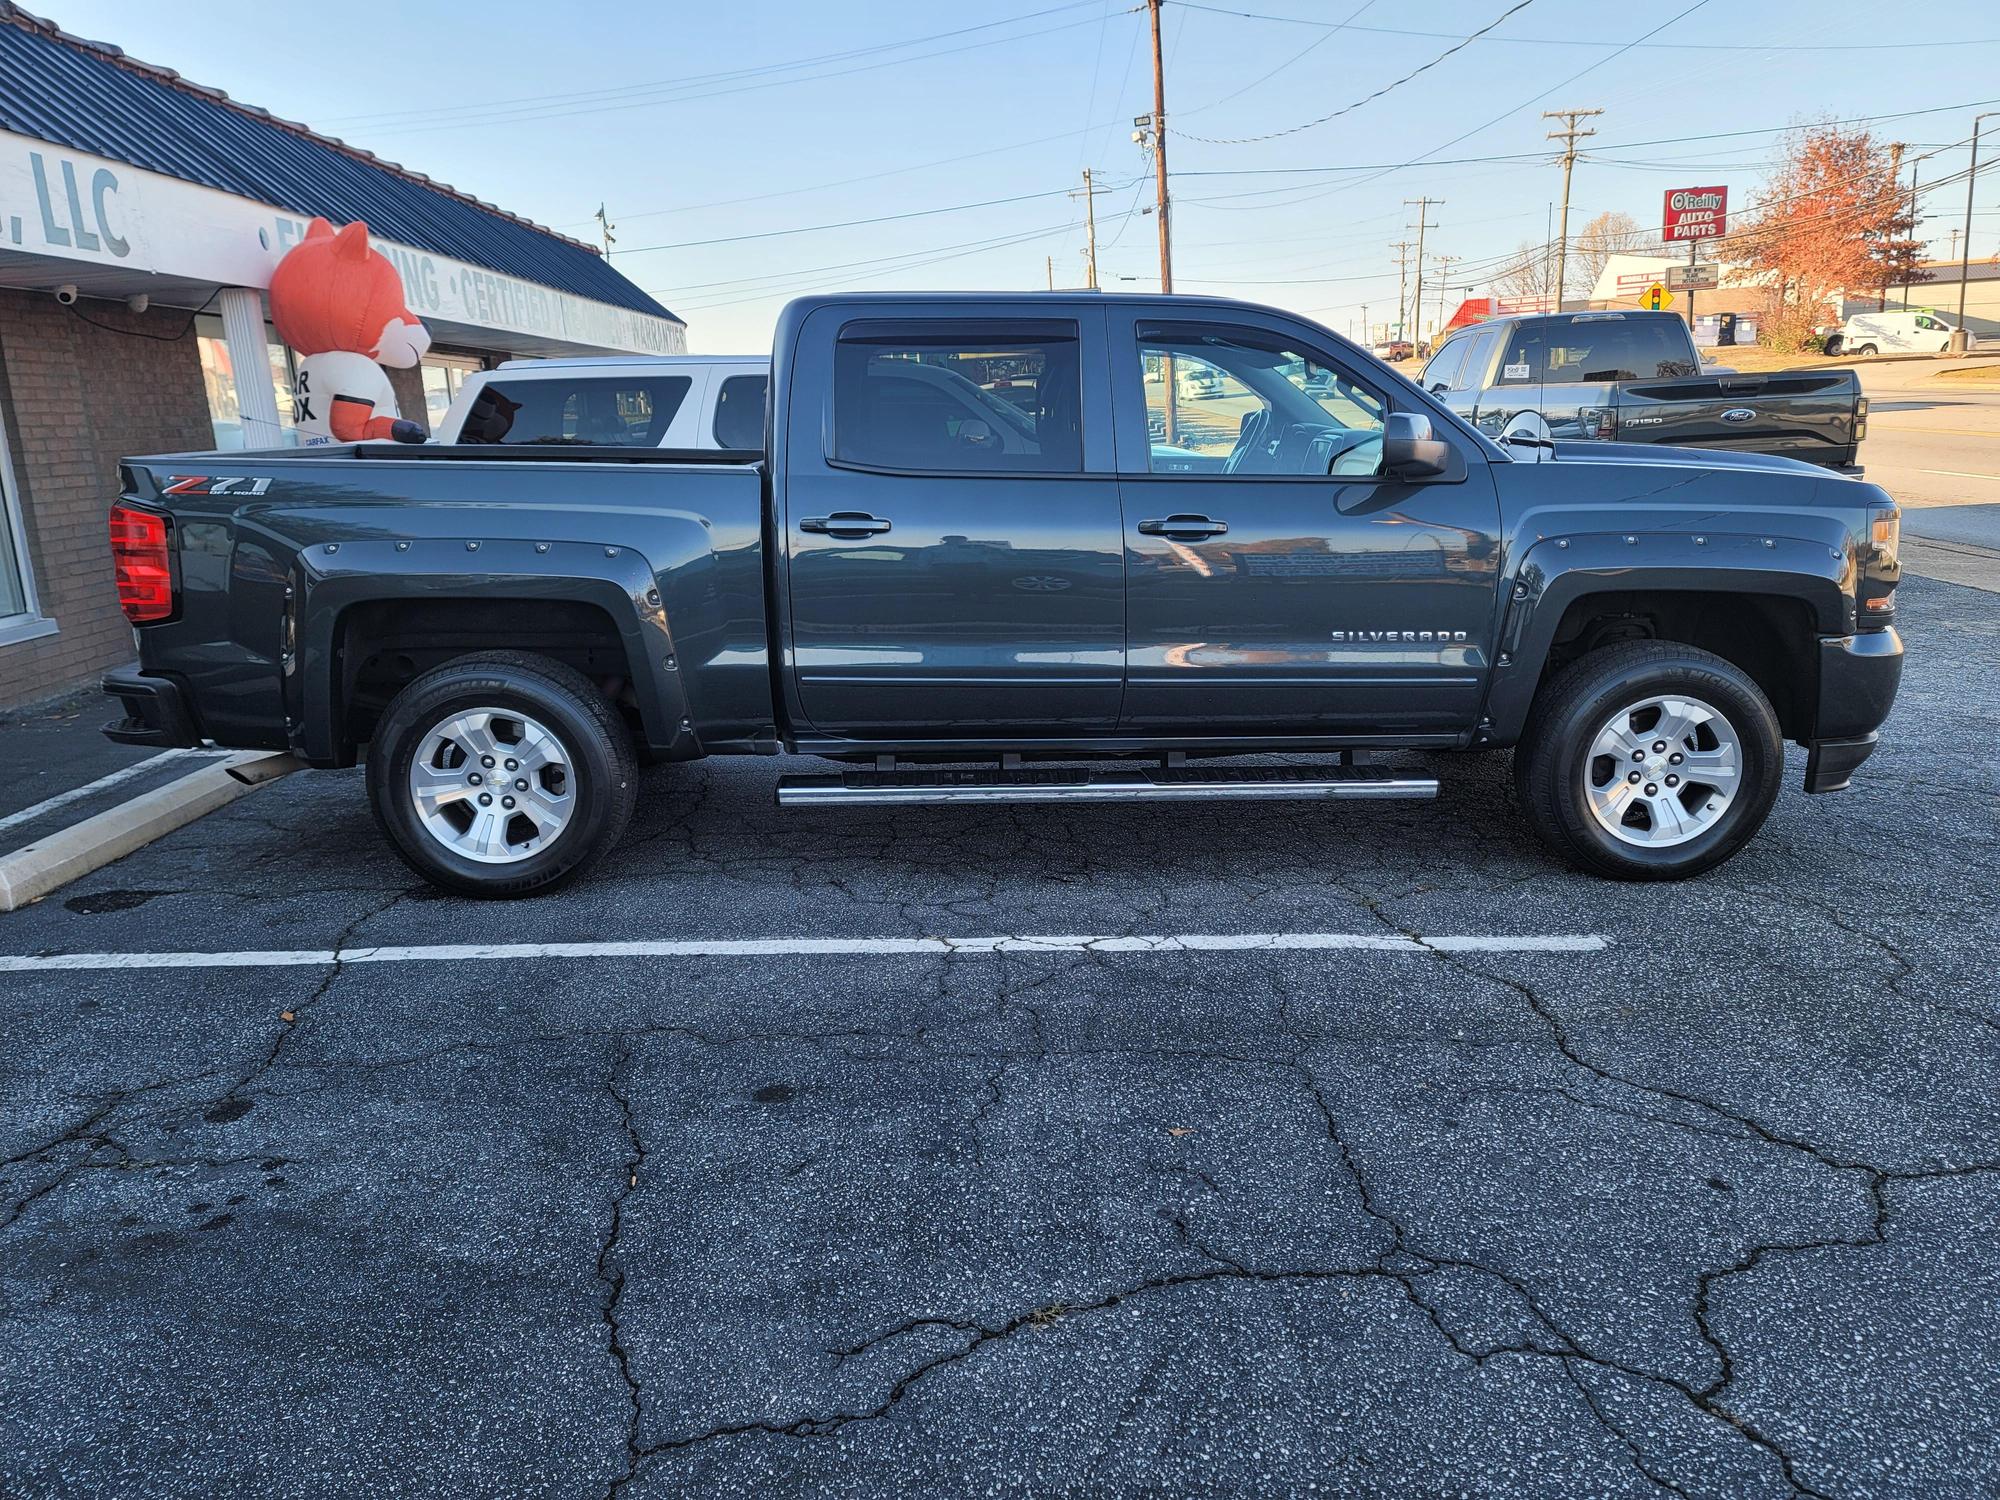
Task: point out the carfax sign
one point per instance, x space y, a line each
1700 213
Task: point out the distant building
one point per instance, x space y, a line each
140 218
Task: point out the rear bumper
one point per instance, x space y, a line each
1858 677
156 710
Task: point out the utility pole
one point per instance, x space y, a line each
1569 135
1367 338
1444 265
1960 340
1915 219
1050 262
1152 130
1895 171
1423 207
1088 193
1402 249
1160 153
605 226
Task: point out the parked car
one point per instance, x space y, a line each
1636 377
1892 333
690 401
970 607
1196 380
1391 350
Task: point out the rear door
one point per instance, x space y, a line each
1278 583
1515 388
950 518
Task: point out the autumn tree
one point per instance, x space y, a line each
1832 222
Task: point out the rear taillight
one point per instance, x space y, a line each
1860 418
1599 422
145 574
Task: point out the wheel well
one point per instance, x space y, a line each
1770 638
381 647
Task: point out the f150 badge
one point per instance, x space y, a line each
1402 637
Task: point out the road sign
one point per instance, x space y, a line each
1656 298
1700 213
1702 276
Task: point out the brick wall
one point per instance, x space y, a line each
76 400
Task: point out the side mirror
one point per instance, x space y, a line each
1409 451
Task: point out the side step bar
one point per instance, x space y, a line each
1100 784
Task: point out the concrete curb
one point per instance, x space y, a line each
31 872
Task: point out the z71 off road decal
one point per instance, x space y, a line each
223 484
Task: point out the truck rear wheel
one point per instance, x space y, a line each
1649 761
501 774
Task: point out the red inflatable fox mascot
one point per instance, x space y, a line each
339 304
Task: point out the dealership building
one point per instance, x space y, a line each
141 216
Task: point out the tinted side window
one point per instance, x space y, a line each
1444 364
617 410
1245 403
1522 363
739 411
1616 349
967 403
1478 356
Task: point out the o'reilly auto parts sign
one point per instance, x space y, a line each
1700 213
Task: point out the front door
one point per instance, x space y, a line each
954 550
1277 581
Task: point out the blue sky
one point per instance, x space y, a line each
688 122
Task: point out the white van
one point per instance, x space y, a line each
631 400
1892 333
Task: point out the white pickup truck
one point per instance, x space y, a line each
685 401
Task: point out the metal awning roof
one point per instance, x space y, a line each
90 97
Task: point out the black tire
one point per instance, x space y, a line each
1551 765
1832 346
601 758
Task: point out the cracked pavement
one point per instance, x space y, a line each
1714 1211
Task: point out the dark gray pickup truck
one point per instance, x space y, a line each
1046 548
1637 377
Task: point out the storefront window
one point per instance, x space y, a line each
13 596
442 379
218 374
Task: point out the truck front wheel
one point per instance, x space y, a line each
501 774
1649 761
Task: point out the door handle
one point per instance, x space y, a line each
1184 528
845 523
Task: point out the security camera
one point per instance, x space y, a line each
66 293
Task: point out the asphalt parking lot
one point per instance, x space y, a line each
1690 1188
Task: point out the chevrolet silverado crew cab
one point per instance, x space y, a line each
1636 377
987 560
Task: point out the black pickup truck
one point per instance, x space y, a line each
1000 550
1637 377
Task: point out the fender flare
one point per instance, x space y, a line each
330 578
1557 571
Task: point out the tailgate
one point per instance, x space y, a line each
1805 414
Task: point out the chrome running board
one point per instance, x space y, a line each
878 788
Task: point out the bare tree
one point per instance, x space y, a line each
1526 278
1610 233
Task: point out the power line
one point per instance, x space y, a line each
479 111
1272 135
1567 41
531 113
915 213
1331 32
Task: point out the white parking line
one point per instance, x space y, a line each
103 783
1367 942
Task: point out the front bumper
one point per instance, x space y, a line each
156 710
1858 677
